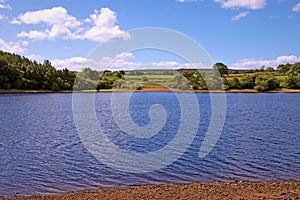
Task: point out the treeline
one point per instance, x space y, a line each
89 79
17 72
286 76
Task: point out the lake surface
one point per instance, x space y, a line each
41 151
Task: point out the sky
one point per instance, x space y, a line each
242 34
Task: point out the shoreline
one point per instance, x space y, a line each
212 190
17 91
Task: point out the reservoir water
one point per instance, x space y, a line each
41 151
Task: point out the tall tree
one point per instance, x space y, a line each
221 67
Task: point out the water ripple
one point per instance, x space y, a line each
41 152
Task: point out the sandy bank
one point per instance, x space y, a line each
216 190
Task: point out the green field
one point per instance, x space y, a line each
149 76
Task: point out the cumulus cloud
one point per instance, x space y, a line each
58 18
104 26
3 5
74 63
13 47
123 61
166 64
194 66
53 16
100 26
35 57
251 4
240 15
2 17
176 65
120 61
296 8
258 63
34 34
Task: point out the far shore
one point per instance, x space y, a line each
284 90
213 190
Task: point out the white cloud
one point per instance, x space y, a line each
194 65
57 31
176 65
296 8
100 26
166 64
4 6
15 21
39 35
104 26
53 16
250 4
2 17
239 16
258 63
121 61
58 18
74 63
25 43
13 47
35 57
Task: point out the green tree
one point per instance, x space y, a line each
293 82
247 82
118 75
273 83
55 86
283 69
215 83
234 83
145 79
194 79
122 72
294 70
221 68
264 82
119 84
21 73
270 69
293 79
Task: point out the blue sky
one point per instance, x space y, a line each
242 34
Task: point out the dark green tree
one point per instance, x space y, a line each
21 73
221 68
293 79
284 68
294 70
264 82
234 83
247 82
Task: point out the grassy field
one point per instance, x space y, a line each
150 77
